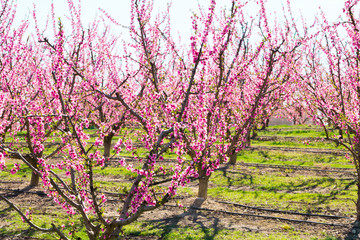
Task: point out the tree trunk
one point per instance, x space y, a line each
248 139
356 158
263 125
107 145
254 133
203 186
358 202
341 133
35 178
233 158
113 233
267 121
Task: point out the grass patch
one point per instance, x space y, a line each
17 227
302 202
114 171
297 144
168 231
252 186
293 133
272 182
279 157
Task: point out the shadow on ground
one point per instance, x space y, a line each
354 232
197 218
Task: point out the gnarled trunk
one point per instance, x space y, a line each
356 158
203 187
233 158
358 201
107 145
265 124
35 178
254 133
248 139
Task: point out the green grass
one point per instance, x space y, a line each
171 231
307 131
23 172
293 133
287 200
279 157
278 181
104 185
158 230
299 126
297 144
168 231
43 219
250 186
114 171
301 131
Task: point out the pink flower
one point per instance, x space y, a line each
128 145
103 198
122 162
15 169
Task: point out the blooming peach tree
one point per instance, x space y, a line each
156 89
331 87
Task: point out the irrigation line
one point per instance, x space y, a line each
39 193
308 168
292 149
282 211
292 139
295 139
293 129
261 216
130 158
11 182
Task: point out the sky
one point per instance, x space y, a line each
180 13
